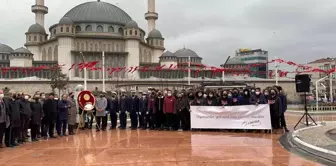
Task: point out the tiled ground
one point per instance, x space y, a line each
155 148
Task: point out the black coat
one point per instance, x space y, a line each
211 101
133 105
50 111
123 104
14 112
25 107
224 101
143 104
112 105
37 112
159 104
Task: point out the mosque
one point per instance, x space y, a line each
84 33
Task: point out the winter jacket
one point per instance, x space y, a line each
143 104
37 112
72 112
169 104
182 104
63 110
133 105
14 112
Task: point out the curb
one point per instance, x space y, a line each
321 152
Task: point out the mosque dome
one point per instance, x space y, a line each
36 28
168 54
5 49
184 52
155 34
132 24
98 12
22 50
65 21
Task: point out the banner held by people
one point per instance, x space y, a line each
231 117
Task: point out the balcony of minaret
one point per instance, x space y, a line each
149 15
37 8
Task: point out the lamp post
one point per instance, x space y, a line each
85 72
316 84
103 59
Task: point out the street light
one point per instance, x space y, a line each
316 84
85 72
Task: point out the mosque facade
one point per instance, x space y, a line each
88 30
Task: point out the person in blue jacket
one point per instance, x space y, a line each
283 108
245 100
258 97
235 97
63 114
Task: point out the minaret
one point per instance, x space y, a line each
151 16
40 10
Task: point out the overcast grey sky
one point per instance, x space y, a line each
297 30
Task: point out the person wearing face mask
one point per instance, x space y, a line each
169 109
72 113
123 106
150 114
101 105
13 131
134 110
182 107
37 113
283 108
235 97
245 100
50 116
199 100
224 99
160 117
113 108
63 115
266 93
25 114
258 98
143 108
211 100
275 109
41 126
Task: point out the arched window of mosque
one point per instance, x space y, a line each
104 47
91 47
109 47
78 28
125 32
110 29
29 38
54 31
161 43
88 28
41 38
156 42
78 47
82 46
96 47
35 38
136 32
117 47
61 29
131 32
87 46
72 30
67 29
120 30
100 28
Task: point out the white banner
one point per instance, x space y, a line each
231 117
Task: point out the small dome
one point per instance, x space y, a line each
234 61
36 28
65 21
5 49
155 34
167 54
132 24
186 53
22 50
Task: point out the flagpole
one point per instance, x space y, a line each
276 72
189 75
103 59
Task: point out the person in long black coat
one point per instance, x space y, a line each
50 116
275 109
133 110
143 104
113 108
36 118
25 115
211 99
123 106
245 99
160 117
13 131
224 100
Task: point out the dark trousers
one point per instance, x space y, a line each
91 119
42 129
2 131
170 120
283 121
142 119
152 120
34 128
160 119
98 122
134 120
49 129
104 124
61 128
39 130
183 121
113 117
24 126
71 129
123 119
12 134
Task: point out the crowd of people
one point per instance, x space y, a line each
154 110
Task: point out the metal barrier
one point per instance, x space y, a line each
321 108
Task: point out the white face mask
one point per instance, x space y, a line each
246 93
56 98
2 95
144 96
26 97
169 94
258 93
204 95
43 97
211 95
